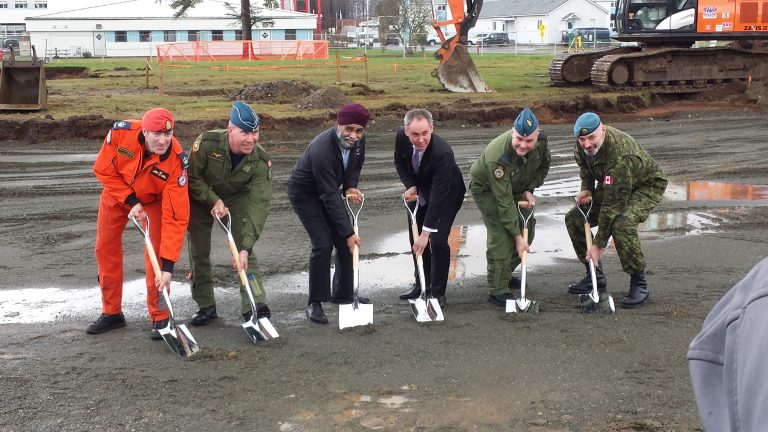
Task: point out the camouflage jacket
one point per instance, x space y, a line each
619 170
211 177
501 172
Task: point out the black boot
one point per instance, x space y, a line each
584 286
411 294
638 292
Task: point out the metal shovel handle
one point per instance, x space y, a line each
355 250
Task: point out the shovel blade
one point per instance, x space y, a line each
179 339
426 310
524 305
351 316
261 330
510 306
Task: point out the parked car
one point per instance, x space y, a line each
433 39
391 39
489 39
11 43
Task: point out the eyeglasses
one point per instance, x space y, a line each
350 129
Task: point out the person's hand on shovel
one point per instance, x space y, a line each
530 201
594 253
164 281
411 194
138 212
243 258
354 195
353 240
219 209
583 197
420 245
521 245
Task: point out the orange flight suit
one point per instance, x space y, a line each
159 183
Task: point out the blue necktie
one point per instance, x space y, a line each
345 158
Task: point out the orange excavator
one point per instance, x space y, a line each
456 70
665 31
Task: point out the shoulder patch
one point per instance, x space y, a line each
183 178
498 173
184 160
122 124
196 144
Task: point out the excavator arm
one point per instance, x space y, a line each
456 70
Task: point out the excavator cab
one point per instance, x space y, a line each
22 83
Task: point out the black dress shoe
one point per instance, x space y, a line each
105 323
315 313
262 311
441 301
204 316
411 294
361 300
500 299
156 326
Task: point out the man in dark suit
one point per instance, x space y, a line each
433 181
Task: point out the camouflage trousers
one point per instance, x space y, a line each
501 254
623 230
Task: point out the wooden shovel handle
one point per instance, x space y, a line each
588 234
415 232
153 258
236 257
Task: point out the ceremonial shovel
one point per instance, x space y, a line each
355 314
523 304
258 329
424 310
594 296
178 338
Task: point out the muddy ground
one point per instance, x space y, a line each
479 370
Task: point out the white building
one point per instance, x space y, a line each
125 28
522 20
13 13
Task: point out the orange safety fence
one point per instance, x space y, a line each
243 50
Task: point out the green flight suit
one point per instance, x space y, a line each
629 185
246 190
498 180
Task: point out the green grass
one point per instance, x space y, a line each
197 91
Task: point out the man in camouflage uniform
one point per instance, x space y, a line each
229 172
629 185
509 169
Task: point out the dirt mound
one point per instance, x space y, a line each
328 97
64 72
281 92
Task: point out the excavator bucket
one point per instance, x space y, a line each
458 73
22 84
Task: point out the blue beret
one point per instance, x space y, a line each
526 123
244 117
586 124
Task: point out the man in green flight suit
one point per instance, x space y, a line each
509 169
229 172
624 184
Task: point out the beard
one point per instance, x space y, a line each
345 143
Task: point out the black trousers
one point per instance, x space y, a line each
318 225
437 256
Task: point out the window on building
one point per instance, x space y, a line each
217 35
145 36
290 34
440 8
169 36
3 5
238 35
41 4
539 23
121 36
20 4
192 36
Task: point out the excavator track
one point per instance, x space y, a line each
575 68
679 70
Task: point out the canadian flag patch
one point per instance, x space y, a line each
608 180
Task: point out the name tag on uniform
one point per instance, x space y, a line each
159 173
125 152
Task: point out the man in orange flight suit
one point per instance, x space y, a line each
144 173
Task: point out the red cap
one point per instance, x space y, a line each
157 120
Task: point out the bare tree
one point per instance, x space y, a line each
246 13
409 19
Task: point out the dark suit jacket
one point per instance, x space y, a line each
319 173
439 180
